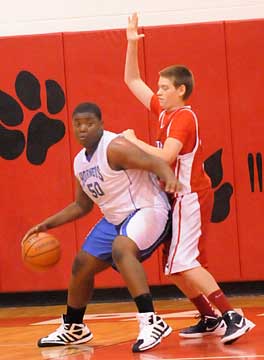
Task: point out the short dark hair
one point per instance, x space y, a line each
180 75
88 107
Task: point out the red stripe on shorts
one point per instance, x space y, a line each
179 234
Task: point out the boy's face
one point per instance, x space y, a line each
87 129
169 96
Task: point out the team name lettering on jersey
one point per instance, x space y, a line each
92 172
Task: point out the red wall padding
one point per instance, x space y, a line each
29 193
227 61
245 59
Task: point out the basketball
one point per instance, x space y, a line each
41 251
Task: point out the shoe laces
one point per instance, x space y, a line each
64 326
205 318
145 319
60 328
230 315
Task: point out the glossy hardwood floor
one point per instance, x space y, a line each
115 328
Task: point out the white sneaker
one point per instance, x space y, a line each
67 334
152 330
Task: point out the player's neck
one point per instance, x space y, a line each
177 105
174 108
90 149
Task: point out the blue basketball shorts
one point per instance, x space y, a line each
147 227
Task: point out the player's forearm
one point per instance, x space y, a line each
131 65
152 150
72 212
161 169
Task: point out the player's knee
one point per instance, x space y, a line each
122 248
117 254
80 264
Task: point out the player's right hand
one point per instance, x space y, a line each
34 230
172 186
132 28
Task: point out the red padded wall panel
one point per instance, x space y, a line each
245 57
202 48
33 186
94 63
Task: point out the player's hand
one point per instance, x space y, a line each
34 230
132 28
171 185
129 134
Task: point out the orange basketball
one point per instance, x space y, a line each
41 251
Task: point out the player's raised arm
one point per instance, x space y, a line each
122 154
132 74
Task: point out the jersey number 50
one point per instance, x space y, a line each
95 189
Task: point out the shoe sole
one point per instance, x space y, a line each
232 338
77 342
201 335
166 333
217 332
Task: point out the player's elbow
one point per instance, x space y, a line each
83 207
168 158
128 81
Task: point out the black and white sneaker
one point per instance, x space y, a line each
67 334
208 325
236 326
152 330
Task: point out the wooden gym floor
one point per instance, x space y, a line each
115 328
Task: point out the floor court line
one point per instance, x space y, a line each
218 357
115 332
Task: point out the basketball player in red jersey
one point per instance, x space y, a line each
178 143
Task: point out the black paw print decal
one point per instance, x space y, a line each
43 132
222 195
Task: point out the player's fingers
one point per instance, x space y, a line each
172 186
25 238
134 16
136 20
169 187
29 233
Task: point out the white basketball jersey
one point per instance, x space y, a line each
117 193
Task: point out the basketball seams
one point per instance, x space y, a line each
25 253
44 252
41 251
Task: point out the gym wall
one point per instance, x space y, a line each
31 17
45 76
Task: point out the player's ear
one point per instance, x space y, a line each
181 90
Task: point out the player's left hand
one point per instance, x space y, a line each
129 134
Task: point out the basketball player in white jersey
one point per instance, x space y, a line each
118 177
179 144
